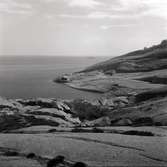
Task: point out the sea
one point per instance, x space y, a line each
32 76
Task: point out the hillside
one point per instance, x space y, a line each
138 79
153 58
130 73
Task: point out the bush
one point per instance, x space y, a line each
11 153
158 124
80 130
55 161
157 93
144 121
87 111
97 130
138 133
52 130
31 155
79 164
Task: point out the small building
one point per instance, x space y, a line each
62 79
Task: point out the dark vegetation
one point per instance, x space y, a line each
87 111
128 132
138 133
154 79
31 155
143 121
52 130
97 130
86 130
11 153
147 95
79 164
11 122
80 130
56 161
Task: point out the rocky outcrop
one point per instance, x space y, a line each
145 108
101 122
94 109
23 113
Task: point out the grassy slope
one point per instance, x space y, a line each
139 70
154 58
94 149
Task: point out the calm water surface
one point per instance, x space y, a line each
29 77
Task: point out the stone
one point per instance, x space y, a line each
123 122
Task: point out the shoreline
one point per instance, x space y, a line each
71 85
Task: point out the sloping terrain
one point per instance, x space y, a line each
127 74
154 58
140 77
96 150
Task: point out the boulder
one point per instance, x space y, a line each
60 105
46 103
122 99
104 121
107 102
123 122
4 103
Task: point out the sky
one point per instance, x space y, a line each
80 27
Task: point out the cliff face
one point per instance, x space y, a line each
148 59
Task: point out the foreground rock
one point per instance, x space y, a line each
143 109
23 113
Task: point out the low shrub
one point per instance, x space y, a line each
31 155
88 111
80 130
52 130
79 164
11 153
147 121
138 133
55 161
97 130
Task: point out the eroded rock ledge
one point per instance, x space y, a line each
144 109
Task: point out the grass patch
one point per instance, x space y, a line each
156 93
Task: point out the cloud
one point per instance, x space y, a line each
157 8
123 9
106 27
102 15
84 3
144 7
92 15
72 16
12 7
